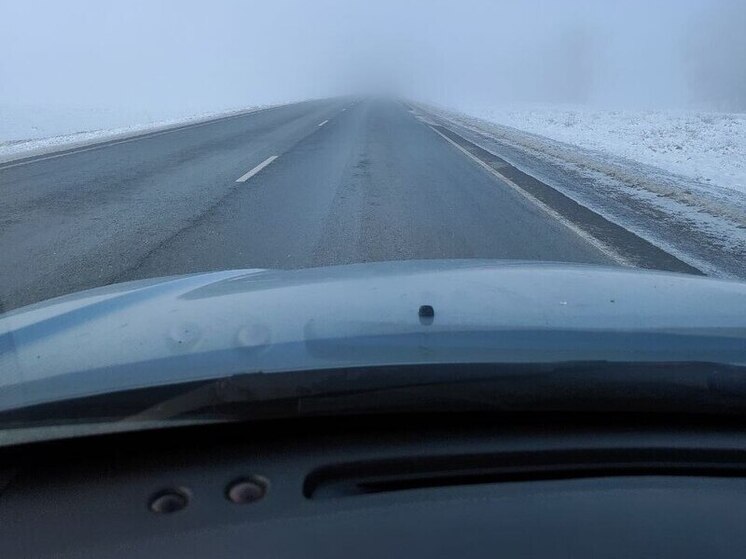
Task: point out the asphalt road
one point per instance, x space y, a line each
351 181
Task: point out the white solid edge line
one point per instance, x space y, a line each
323 123
256 169
605 249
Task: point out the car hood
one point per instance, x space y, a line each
210 325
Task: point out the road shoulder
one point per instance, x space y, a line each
610 204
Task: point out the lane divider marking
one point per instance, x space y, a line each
256 169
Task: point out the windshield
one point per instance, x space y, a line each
196 191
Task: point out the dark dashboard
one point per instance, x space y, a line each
455 485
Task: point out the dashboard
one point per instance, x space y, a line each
457 485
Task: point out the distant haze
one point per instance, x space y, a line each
189 55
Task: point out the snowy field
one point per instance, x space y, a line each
28 130
705 146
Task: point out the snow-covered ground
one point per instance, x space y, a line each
29 129
705 146
677 179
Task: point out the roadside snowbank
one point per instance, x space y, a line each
27 130
705 146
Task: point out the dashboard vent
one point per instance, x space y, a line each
403 474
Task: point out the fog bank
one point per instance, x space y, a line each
187 55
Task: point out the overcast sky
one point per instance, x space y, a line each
228 53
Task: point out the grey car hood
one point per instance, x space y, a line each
215 324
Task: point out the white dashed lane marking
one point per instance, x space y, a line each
256 169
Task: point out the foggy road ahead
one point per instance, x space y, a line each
311 184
